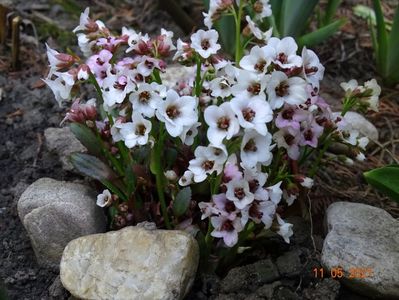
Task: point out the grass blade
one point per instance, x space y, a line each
382 39
321 34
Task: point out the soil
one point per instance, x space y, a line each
27 108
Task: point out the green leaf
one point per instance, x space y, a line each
130 180
87 137
331 10
382 39
386 180
182 201
226 28
294 16
320 34
393 53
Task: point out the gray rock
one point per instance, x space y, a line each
176 73
56 212
132 263
289 264
285 293
328 289
250 276
56 290
62 142
360 123
360 237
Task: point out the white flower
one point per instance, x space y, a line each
205 42
115 87
222 123
351 85
104 199
250 85
189 133
259 211
85 44
136 132
312 68
282 89
375 91
285 52
257 60
134 39
289 198
85 22
257 180
145 100
255 148
207 20
285 229
259 34
275 193
186 179
116 131
265 11
307 182
252 113
207 160
167 41
177 112
220 87
360 157
61 85
238 192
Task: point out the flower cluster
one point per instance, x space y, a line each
241 136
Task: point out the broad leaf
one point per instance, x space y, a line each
294 16
226 28
87 138
393 46
182 201
386 180
320 34
331 10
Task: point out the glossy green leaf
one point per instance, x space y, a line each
226 28
382 39
386 180
87 137
294 16
182 201
320 34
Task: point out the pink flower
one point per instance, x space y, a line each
99 64
310 134
81 113
226 229
291 116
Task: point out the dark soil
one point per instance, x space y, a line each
27 108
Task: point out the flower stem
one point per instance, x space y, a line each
159 175
237 18
198 86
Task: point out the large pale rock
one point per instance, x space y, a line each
132 263
363 236
360 123
56 212
62 142
176 73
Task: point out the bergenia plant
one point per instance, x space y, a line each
222 152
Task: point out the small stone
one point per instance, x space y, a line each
364 239
328 289
266 291
289 264
360 123
250 276
62 142
132 263
56 212
285 293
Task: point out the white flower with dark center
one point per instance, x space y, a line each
186 179
116 131
104 199
226 229
285 52
134 39
222 123
147 65
285 229
250 85
136 132
282 89
259 34
256 180
115 87
220 87
189 133
262 9
207 160
255 148
252 114
313 70
205 42
61 84
238 191
145 100
259 211
85 23
257 60
177 112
